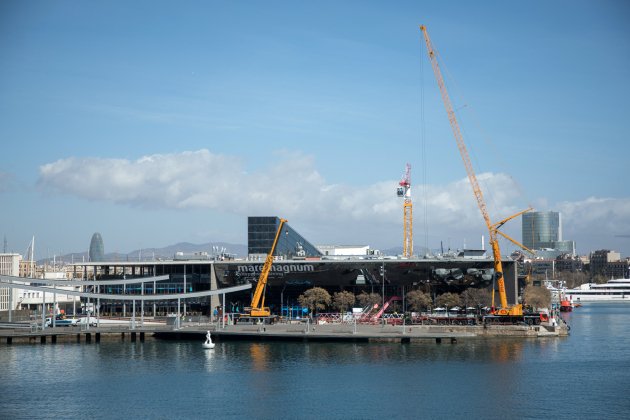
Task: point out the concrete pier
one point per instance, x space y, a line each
360 332
304 332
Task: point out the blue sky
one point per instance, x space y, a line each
161 122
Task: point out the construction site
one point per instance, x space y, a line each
283 266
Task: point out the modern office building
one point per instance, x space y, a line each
97 249
541 229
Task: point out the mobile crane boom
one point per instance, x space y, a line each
492 228
258 299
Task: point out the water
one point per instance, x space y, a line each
586 375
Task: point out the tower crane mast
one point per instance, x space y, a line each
404 191
515 310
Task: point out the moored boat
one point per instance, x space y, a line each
565 305
615 290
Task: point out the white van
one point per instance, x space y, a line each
88 320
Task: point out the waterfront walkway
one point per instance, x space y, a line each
32 333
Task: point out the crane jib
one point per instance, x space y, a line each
492 228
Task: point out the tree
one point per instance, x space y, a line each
448 299
315 299
343 300
371 299
476 297
572 279
418 300
536 296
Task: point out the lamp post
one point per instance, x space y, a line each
383 297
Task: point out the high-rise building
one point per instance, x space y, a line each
97 249
541 229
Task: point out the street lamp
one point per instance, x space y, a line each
383 278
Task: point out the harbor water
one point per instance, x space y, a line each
585 375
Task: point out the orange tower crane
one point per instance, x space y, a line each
404 191
517 309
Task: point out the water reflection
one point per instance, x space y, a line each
506 351
535 378
210 358
260 354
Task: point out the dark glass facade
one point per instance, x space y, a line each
261 231
289 279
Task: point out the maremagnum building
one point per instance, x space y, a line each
298 266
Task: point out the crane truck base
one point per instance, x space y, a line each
524 319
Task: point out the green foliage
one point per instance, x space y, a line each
315 299
343 300
418 300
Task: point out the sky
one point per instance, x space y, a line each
157 122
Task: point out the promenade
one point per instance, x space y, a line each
304 331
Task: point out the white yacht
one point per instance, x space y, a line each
614 290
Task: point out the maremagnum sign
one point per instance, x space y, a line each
276 268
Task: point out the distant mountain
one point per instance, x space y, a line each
147 254
398 250
168 252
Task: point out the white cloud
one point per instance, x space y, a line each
600 215
292 187
184 180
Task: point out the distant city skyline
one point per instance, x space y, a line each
175 125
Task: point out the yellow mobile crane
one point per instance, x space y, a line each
516 310
257 308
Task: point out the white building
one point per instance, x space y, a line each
9 266
16 299
31 300
346 250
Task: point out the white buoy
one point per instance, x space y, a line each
208 344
